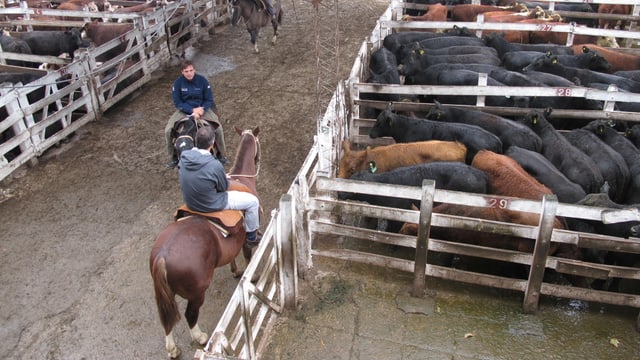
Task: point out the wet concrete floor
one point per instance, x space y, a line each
354 311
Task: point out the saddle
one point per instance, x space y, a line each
229 222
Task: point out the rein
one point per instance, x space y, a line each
256 155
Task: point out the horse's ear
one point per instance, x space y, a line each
256 131
238 130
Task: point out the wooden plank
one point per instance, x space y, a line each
582 269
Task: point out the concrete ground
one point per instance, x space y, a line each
351 311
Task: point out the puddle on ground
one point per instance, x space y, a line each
208 65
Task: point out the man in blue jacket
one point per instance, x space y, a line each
204 185
192 96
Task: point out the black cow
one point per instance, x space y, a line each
624 229
633 134
584 76
383 69
464 49
405 129
571 161
422 47
612 166
470 78
624 147
382 60
415 63
430 75
454 176
592 60
15 45
509 131
394 42
629 74
54 43
544 171
403 43
498 42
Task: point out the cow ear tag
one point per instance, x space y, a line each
372 167
421 52
534 120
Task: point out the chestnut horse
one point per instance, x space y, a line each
256 16
188 250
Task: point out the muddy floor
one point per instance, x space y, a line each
76 230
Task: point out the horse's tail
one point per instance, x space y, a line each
165 297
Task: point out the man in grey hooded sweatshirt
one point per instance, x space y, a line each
205 185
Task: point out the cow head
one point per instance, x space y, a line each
383 125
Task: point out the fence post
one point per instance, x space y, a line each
540 252
301 234
422 241
288 274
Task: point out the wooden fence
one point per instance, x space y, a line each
40 114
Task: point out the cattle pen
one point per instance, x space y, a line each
321 226
312 223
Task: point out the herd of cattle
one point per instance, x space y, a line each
588 162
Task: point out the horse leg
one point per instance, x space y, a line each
198 335
191 314
172 349
254 39
234 269
275 32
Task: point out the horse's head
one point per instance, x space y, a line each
246 165
184 132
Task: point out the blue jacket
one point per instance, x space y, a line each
190 94
203 181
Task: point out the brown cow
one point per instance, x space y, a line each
507 177
435 12
101 33
613 9
385 158
514 36
545 36
469 12
138 8
618 60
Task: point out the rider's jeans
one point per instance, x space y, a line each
239 200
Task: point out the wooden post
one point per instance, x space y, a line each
422 241
300 191
540 252
288 274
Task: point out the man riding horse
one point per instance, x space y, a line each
193 97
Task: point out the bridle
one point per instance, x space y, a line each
255 156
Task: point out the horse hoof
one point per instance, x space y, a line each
202 339
238 274
174 353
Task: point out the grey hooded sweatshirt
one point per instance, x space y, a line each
203 181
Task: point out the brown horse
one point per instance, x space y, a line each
187 251
256 16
